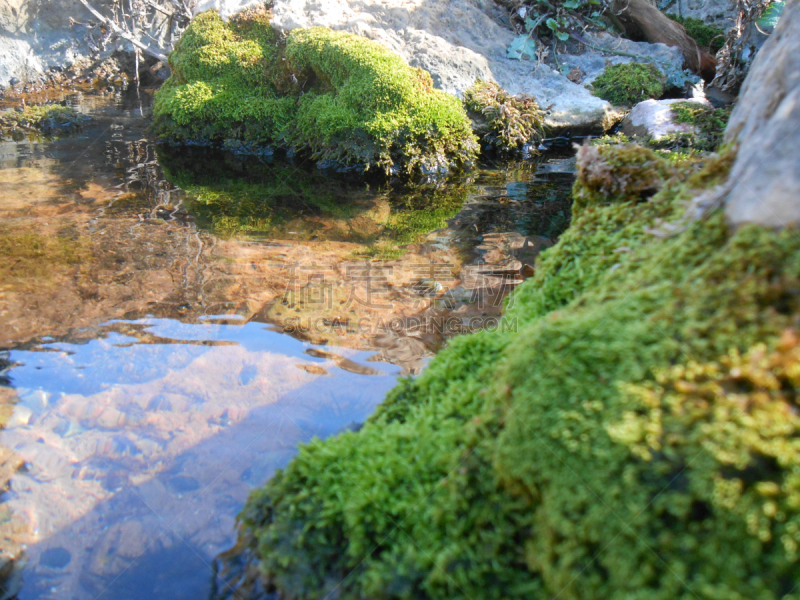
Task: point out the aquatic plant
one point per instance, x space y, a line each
502 121
342 98
49 120
528 462
629 83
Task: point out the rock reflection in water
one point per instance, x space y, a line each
142 445
145 298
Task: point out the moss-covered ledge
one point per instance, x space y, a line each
636 436
341 98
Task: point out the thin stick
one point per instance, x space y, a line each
124 34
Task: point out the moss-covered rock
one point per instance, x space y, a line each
567 455
48 120
629 83
337 96
504 122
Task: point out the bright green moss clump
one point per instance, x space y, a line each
567 455
629 83
709 123
342 98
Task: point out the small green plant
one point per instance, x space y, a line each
709 123
558 20
706 36
629 83
503 121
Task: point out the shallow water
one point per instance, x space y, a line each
174 322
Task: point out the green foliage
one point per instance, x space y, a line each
542 20
567 457
340 97
707 36
503 121
629 83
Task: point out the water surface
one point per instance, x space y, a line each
174 322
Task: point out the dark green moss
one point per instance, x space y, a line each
707 36
340 97
629 83
530 463
502 121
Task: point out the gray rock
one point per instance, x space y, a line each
721 13
764 185
457 41
654 119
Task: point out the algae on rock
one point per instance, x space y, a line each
514 465
342 98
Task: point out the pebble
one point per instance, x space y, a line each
14 81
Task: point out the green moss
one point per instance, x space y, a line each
340 97
567 457
707 36
629 83
709 123
502 121
50 120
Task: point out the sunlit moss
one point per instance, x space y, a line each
629 83
529 462
340 97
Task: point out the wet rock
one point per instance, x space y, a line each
764 184
654 119
14 81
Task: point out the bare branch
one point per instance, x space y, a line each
124 33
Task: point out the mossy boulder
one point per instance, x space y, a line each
336 96
631 433
629 83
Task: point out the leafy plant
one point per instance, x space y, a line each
555 21
503 121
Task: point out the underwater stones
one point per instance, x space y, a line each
655 119
339 97
765 125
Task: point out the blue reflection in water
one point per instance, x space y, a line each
144 441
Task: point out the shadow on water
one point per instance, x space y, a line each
174 322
